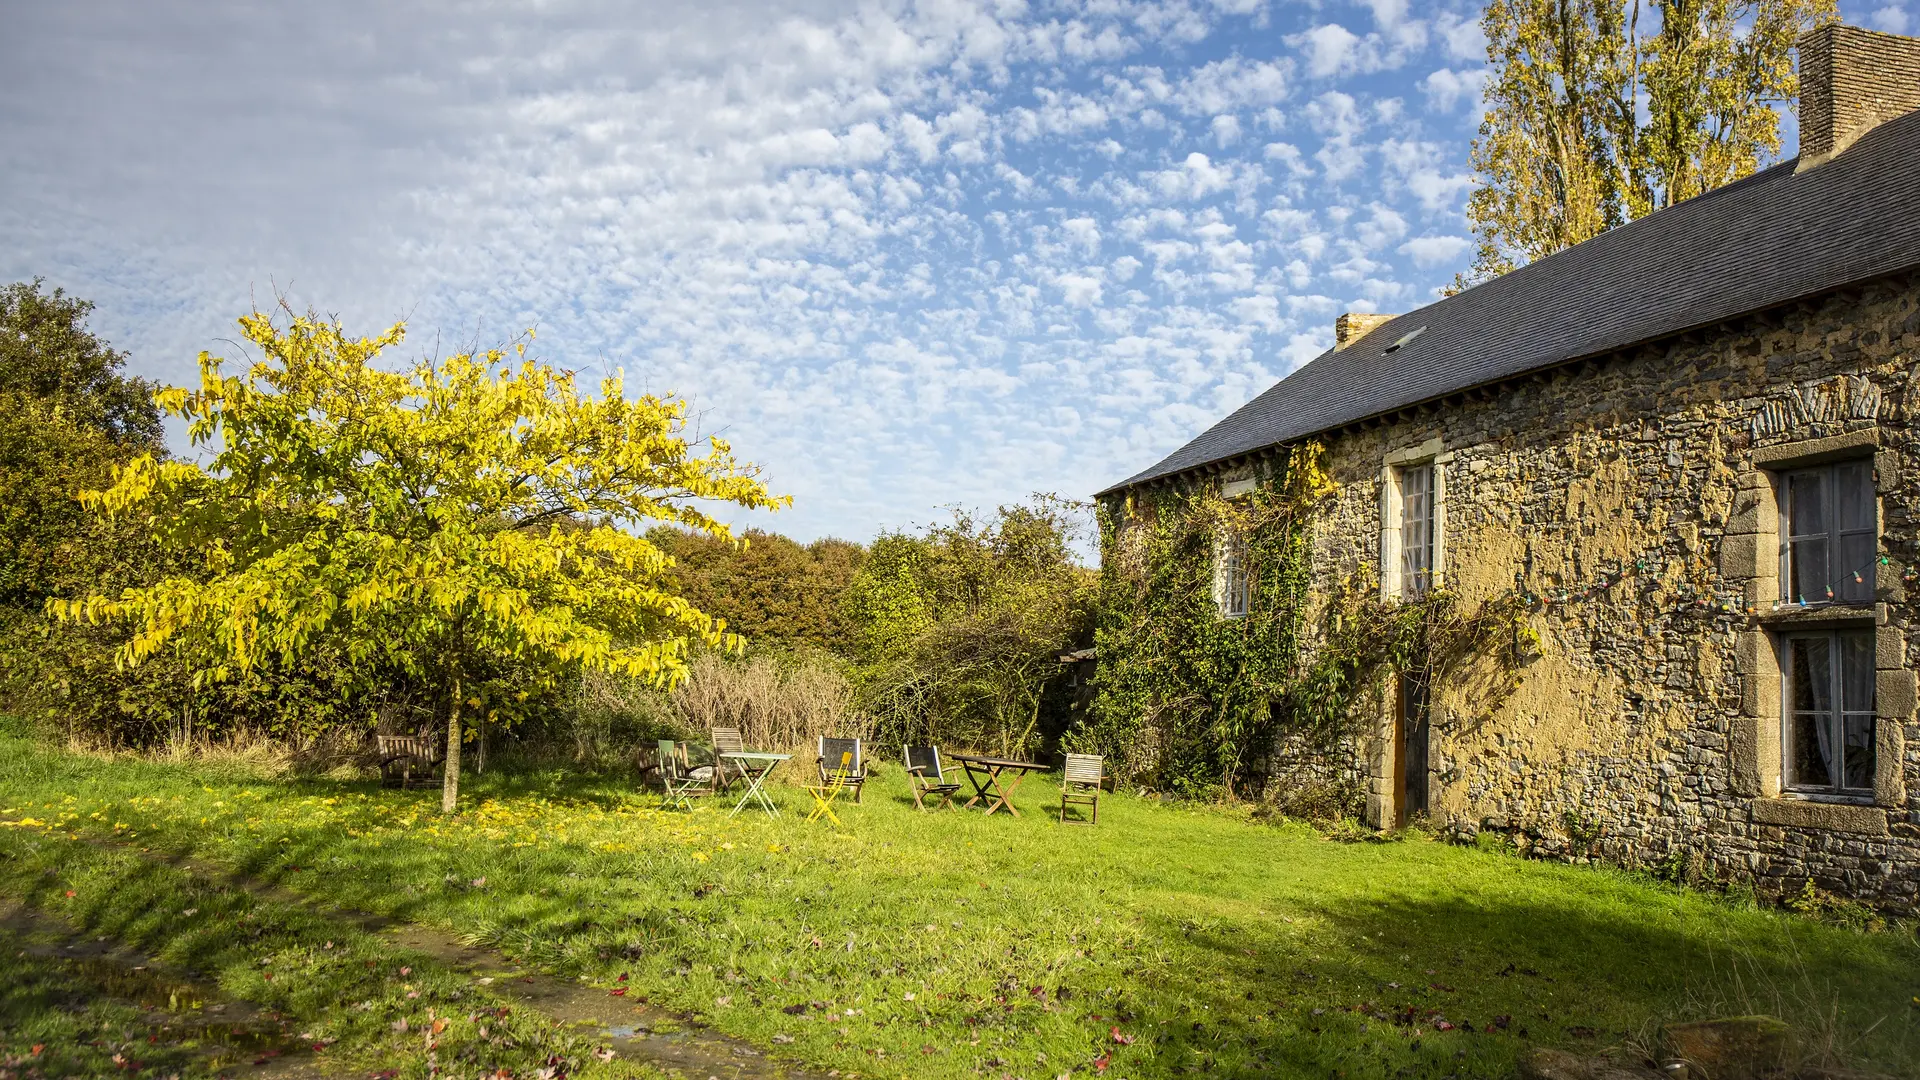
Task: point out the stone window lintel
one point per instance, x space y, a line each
1802 453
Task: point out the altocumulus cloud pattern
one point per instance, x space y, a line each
904 255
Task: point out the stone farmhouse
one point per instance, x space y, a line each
1692 444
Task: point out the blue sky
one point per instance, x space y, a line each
904 256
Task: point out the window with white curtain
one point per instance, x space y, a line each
1831 539
1416 530
1829 737
1232 587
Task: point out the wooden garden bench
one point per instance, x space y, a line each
401 755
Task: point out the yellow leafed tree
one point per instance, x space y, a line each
1602 111
479 505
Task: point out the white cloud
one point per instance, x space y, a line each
1331 50
1289 155
1431 251
1232 84
1891 19
1462 36
1446 88
946 231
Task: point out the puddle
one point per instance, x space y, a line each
231 1033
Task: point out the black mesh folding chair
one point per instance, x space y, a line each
923 771
841 766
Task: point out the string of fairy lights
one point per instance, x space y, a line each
1695 598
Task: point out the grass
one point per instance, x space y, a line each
1170 940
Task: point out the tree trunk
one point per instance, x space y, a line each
450 784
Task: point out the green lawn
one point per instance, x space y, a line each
1169 940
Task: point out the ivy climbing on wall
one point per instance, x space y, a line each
1194 703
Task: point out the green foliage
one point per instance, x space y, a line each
457 524
1196 703
1185 699
959 629
67 418
775 592
47 355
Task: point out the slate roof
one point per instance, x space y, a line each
1769 239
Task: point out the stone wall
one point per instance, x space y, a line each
1632 499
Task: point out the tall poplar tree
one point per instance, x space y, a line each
1602 111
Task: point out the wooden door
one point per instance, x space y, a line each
1414 730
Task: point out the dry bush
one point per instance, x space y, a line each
780 705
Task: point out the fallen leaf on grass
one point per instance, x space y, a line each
605 1053
405 971
1123 1040
1100 1063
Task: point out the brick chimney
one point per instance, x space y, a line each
1355 325
1850 80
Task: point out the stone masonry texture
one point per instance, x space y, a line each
1623 740
1641 728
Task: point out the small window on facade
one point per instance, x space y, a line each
1831 534
1232 591
1830 736
1416 530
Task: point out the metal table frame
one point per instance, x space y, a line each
756 778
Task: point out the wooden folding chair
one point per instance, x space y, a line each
727 740
684 780
1081 787
924 773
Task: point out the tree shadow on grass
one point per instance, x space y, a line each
1461 985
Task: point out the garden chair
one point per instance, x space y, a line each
684 781
727 740
831 784
401 755
923 772
851 772
1081 787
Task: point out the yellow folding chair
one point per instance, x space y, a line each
830 788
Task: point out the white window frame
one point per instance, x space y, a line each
1394 469
1834 537
1232 584
1835 716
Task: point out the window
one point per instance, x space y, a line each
1416 530
1232 591
1831 535
1829 715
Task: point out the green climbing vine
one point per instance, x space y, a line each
1190 702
